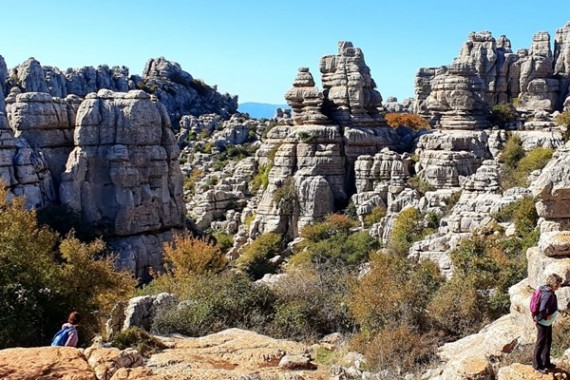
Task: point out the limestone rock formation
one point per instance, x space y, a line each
24 171
551 256
458 96
123 175
3 88
445 158
232 354
536 77
352 99
181 93
491 59
46 123
305 99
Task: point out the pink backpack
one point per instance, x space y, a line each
535 302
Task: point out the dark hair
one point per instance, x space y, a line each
74 318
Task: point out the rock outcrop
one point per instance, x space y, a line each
487 72
44 363
47 124
23 171
177 89
123 175
181 93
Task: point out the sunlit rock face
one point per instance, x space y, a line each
536 77
23 171
47 123
123 175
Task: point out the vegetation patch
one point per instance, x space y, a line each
411 120
137 338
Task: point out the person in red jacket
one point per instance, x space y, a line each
544 319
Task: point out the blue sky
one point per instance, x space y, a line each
252 48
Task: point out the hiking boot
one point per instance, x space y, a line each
543 371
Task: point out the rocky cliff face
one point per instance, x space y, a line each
123 175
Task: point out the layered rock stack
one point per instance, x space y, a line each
458 97
30 76
123 175
352 98
331 129
47 123
562 63
23 171
181 93
538 77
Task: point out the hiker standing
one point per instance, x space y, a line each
544 318
68 336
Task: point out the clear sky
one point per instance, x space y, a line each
252 48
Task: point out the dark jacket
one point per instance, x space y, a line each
548 303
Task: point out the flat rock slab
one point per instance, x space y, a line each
44 363
231 354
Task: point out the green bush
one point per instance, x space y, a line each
375 216
43 278
332 242
420 184
137 338
223 240
512 152
254 257
519 165
285 196
502 114
407 229
218 302
312 303
522 212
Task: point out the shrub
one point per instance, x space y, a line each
192 179
189 255
502 114
411 120
137 338
563 119
375 216
456 308
332 242
420 184
254 259
394 292
39 286
310 303
408 228
512 152
285 196
261 179
215 302
223 240
396 350
518 175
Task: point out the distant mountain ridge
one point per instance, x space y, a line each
260 110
